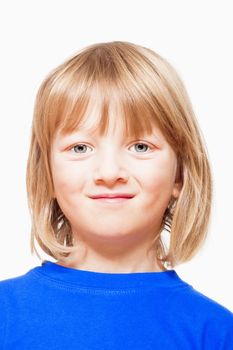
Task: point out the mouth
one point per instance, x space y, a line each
114 200
112 195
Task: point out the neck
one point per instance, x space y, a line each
115 259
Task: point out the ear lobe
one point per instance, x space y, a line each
176 189
53 196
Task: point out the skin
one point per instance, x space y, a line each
113 238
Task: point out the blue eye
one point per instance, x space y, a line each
142 145
81 148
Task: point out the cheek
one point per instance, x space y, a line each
157 183
157 176
67 179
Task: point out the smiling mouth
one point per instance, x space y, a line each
114 200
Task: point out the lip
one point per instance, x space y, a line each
112 196
115 200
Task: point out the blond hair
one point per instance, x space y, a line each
148 90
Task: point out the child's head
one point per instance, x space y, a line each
124 94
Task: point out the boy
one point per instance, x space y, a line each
116 158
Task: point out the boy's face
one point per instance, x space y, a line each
144 168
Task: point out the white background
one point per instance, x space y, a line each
196 38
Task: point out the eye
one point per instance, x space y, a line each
141 146
79 148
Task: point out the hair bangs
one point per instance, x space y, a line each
101 107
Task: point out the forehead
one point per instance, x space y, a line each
100 121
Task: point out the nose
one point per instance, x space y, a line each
110 168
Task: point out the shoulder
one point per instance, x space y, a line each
209 306
14 290
211 322
188 297
214 318
11 290
200 303
15 281
17 286
217 320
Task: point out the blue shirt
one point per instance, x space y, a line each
55 307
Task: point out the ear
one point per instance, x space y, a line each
53 195
178 183
177 189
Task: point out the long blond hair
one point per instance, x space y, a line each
148 90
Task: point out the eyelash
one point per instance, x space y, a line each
83 144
